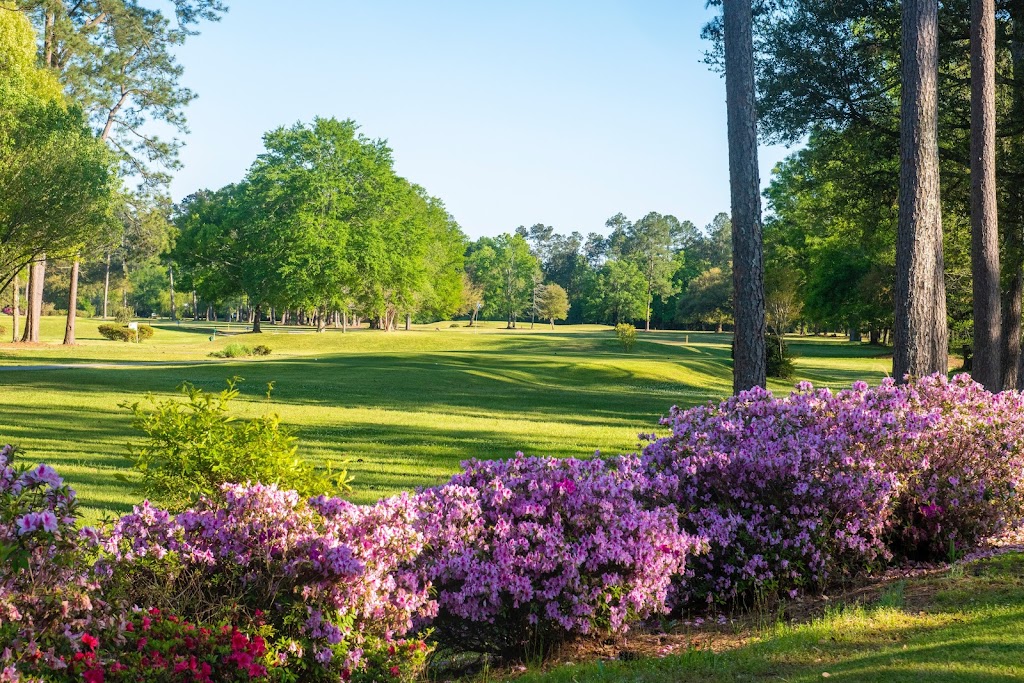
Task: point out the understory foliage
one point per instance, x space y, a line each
194 446
748 500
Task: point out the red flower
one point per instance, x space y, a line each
90 641
93 676
396 672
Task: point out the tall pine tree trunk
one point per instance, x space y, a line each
15 304
106 287
69 328
748 259
921 335
1011 318
987 368
174 309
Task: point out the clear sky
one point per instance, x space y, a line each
512 112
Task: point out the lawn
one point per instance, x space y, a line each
962 625
399 409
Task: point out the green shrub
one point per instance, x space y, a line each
126 334
778 361
233 351
236 350
124 314
626 334
194 446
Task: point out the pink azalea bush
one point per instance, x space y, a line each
959 458
785 500
328 576
810 488
533 550
49 598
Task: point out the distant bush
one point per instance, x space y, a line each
124 314
233 350
126 334
626 334
779 361
194 446
236 350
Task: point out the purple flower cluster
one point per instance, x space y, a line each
785 499
798 491
544 548
328 574
960 463
46 592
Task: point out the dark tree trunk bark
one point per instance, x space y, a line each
15 305
174 309
257 314
921 334
1012 221
69 328
748 259
1012 326
987 368
106 287
408 321
855 334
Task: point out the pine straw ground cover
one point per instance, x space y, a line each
962 622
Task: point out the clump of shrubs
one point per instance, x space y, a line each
808 489
195 445
626 335
125 333
235 350
329 579
532 551
750 499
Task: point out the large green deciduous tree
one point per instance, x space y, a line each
56 180
508 269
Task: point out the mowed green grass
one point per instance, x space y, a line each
398 409
964 626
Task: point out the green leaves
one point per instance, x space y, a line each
195 445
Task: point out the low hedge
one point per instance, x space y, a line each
126 334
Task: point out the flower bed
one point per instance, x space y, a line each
750 499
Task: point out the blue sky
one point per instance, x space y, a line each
513 113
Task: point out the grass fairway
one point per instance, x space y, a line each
964 626
400 409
